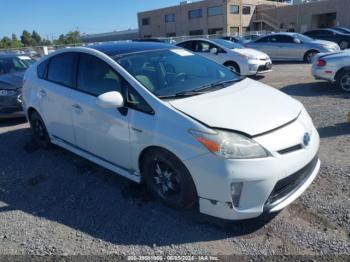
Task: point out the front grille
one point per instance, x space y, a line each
290 149
266 67
288 185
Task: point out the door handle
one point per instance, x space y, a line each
77 108
42 93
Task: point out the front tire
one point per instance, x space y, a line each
343 81
233 66
168 179
309 56
343 45
39 131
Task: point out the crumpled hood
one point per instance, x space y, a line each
251 52
247 106
12 80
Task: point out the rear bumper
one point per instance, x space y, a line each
323 73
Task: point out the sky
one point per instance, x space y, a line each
50 18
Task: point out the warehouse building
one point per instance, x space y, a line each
130 34
203 17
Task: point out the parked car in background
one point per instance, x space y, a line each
235 39
12 69
334 68
242 39
343 30
343 40
193 131
292 47
244 61
157 40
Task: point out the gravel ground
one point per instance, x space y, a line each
53 202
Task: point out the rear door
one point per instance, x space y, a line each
55 96
265 45
287 48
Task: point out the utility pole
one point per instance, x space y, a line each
240 28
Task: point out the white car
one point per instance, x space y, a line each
333 67
194 131
245 61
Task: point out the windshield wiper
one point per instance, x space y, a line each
217 84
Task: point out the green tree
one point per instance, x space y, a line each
36 39
26 38
15 43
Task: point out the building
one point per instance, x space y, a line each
130 34
205 17
310 15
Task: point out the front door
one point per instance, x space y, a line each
103 133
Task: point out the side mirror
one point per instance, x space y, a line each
214 51
110 100
297 41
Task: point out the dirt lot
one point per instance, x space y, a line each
53 202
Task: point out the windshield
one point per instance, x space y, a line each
14 64
303 38
167 73
227 44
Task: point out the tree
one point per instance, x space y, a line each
15 43
36 39
26 38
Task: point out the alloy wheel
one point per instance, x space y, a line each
345 82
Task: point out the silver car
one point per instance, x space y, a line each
333 67
292 46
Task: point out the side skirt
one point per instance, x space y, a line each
128 173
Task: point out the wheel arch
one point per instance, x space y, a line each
228 62
341 70
309 51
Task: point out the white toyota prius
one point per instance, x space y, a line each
192 130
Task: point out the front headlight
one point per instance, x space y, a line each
249 57
230 145
4 92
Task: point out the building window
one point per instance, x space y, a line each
169 18
146 21
193 14
246 9
170 34
246 29
234 9
215 10
234 30
196 32
214 31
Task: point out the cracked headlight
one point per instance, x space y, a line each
230 145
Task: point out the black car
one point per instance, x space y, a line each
12 68
343 30
343 40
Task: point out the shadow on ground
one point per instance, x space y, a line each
314 89
334 130
59 186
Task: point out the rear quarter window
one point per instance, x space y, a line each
42 69
62 69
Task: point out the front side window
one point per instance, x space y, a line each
166 73
189 45
284 39
62 69
246 9
95 77
169 18
215 10
234 9
194 14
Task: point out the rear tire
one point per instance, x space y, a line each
343 81
309 56
39 131
167 178
233 66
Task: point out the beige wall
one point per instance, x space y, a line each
303 16
183 25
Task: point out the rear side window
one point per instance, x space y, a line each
95 77
62 69
42 69
262 40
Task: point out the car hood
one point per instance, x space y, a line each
247 106
251 52
12 80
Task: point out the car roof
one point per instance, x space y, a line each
123 48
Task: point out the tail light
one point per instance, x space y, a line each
321 62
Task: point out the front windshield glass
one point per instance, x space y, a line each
228 44
167 73
14 64
303 38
